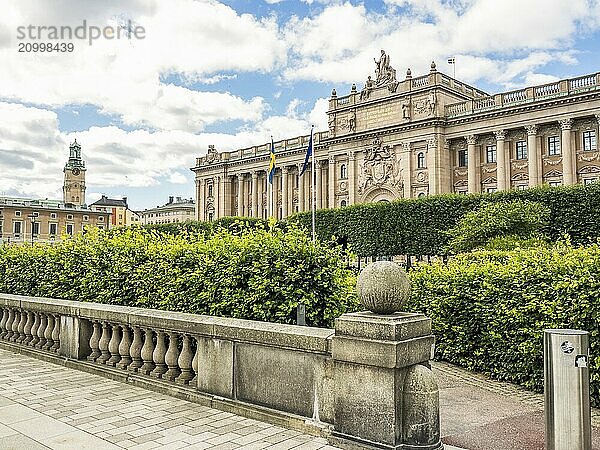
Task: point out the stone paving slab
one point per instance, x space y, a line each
46 406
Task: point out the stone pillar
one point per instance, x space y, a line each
285 200
301 193
201 201
500 160
406 164
351 175
318 186
568 168
218 198
255 209
433 168
240 207
532 155
75 334
472 169
331 182
324 188
385 394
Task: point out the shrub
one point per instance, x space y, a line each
489 308
259 274
522 220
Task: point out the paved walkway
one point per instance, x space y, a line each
43 405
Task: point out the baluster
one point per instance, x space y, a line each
185 362
27 328
21 328
103 344
9 322
147 351
159 355
34 330
56 334
172 358
41 331
136 350
194 381
3 323
15 326
113 346
94 339
124 347
48 333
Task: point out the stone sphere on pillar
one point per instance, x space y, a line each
383 287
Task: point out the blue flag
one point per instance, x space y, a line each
272 162
308 152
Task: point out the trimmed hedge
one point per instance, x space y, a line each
259 274
489 308
419 226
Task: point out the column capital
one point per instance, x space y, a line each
500 135
406 146
331 159
531 129
432 142
447 143
565 124
351 155
597 116
472 139
285 170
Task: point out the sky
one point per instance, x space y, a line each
235 72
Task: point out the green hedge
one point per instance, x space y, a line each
419 226
489 309
256 274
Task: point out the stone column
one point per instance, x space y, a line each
500 160
351 175
385 394
433 166
255 210
201 202
568 167
319 192
406 164
324 187
472 164
218 197
532 155
240 196
284 191
331 181
301 193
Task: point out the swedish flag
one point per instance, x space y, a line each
272 162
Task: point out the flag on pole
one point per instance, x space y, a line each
272 162
451 60
308 151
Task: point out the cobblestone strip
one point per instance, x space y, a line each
498 387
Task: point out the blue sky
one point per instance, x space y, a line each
232 73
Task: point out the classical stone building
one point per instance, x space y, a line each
176 210
25 220
420 136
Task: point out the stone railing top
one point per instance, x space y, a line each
310 339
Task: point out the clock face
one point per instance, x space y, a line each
76 171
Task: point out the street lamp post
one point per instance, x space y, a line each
32 218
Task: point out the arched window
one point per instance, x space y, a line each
343 172
421 160
343 203
421 194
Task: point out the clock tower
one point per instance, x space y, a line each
74 186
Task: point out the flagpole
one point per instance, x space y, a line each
314 184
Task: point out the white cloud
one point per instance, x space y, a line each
177 178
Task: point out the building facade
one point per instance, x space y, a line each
121 215
24 220
421 136
176 210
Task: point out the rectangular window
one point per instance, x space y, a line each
554 183
35 228
589 141
587 181
17 228
86 218
70 229
53 215
53 229
553 146
462 158
100 219
17 213
491 154
69 216
490 190
521 187
210 190
521 147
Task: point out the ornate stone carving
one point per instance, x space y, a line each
295 195
516 135
549 130
460 173
565 124
519 166
405 105
500 135
425 106
486 140
366 91
489 168
343 187
553 174
212 155
379 167
421 177
520 176
585 125
472 139
552 162
531 129
331 123
384 72
589 169
590 157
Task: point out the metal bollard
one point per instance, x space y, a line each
567 390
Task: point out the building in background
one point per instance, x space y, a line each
25 220
121 215
176 210
420 136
